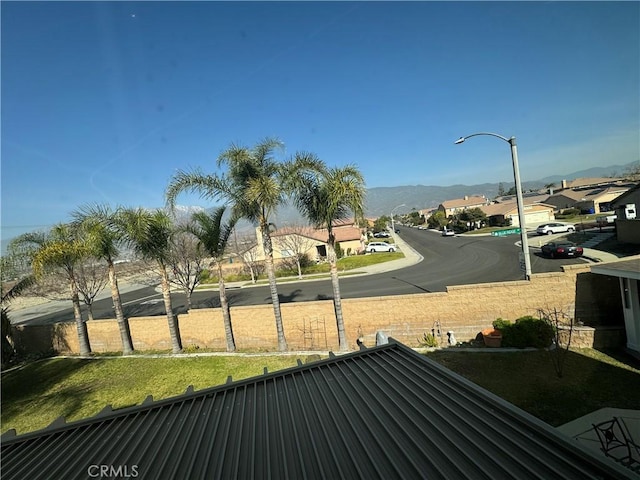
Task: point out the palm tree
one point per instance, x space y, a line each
6 297
322 199
61 249
255 185
213 236
103 236
149 234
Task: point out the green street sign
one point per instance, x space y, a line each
502 233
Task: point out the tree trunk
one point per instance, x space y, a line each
337 300
89 311
174 331
187 293
123 323
299 268
81 327
226 313
273 289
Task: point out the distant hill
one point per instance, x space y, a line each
381 200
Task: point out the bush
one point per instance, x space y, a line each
526 332
568 213
428 340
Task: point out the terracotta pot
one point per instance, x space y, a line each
492 337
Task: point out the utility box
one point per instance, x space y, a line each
630 211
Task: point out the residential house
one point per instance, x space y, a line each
451 207
589 183
564 200
384 412
628 273
628 220
291 240
599 200
507 214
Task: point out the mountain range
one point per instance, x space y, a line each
381 200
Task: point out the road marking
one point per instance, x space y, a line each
142 303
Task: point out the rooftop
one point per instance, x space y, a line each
382 412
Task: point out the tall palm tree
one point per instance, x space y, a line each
61 250
104 238
255 185
332 195
149 234
213 236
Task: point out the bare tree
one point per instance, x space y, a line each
245 246
296 243
562 325
186 263
91 278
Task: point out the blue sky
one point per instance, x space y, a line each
103 101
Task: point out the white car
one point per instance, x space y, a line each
448 233
380 247
549 228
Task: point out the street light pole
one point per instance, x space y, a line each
520 202
393 228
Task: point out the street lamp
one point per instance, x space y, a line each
516 175
393 229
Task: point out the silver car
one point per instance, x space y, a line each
549 228
380 247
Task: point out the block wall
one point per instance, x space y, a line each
465 310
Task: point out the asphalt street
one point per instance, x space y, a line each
446 261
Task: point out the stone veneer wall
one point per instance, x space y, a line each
465 310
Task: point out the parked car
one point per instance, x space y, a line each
422 227
373 247
561 249
549 228
381 235
448 233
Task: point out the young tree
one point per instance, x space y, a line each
323 198
245 247
91 279
62 249
104 236
213 236
186 263
149 234
255 186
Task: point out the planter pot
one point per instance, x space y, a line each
492 338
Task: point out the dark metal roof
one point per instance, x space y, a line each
629 268
384 412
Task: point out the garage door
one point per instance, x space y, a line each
536 218
533 219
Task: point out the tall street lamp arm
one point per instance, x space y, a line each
520 202
508 140
393 228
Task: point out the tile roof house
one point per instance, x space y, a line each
451 207
312 241
385 412
600 200
507 213
589 182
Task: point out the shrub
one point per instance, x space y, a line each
568 213
527 331
428 340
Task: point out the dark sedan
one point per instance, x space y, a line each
561 249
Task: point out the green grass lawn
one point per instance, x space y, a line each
38 393
591 380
